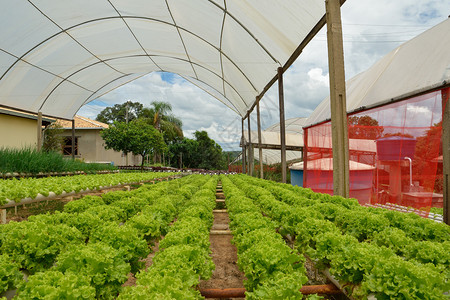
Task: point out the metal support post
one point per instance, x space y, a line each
305 158
244 170
258 117
446 152
73 138
282 124
39 132
250 148
337 98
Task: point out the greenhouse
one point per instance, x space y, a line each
375 157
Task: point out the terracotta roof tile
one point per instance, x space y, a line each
82 122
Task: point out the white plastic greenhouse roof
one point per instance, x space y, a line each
56 56
416 66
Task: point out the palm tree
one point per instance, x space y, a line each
161 117
160 113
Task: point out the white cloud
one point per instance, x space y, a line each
371 30
317 78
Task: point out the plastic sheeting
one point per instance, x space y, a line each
418 65
394 126
56 56
394 153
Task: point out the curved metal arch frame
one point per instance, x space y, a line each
181 38
219 50
106 84
57 25
129 28
224 9
44 70
88 99
129 56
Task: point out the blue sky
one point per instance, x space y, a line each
371 29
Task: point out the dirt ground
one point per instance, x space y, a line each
224 255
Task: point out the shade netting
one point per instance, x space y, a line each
395 153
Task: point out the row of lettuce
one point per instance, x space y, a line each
93 245
88 250
273 270
371 251
18 189
185 257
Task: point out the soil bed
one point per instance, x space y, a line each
224 255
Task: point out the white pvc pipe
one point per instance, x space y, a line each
410 170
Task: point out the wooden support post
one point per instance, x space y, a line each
39 132
305 158
258 117
3 217
244 161
250 148
282 124
73 138
337 98
446 152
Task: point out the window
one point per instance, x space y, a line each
67 145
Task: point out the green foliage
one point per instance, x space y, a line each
118 112
56 245
364 127
263 260
108 213
279 285
373 251
125 239
160 116
149 227
188 257
101 263
201 152
17 189
30 161
35 245
184 252
164 287
137 137
273 270
10 275
55 285
187 231
394 278
78 206
53 138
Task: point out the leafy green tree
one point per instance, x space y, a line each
137 137
364 127
161 117
209 151
201 152
53 138
119 112
183 153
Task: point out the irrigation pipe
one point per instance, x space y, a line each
325 289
